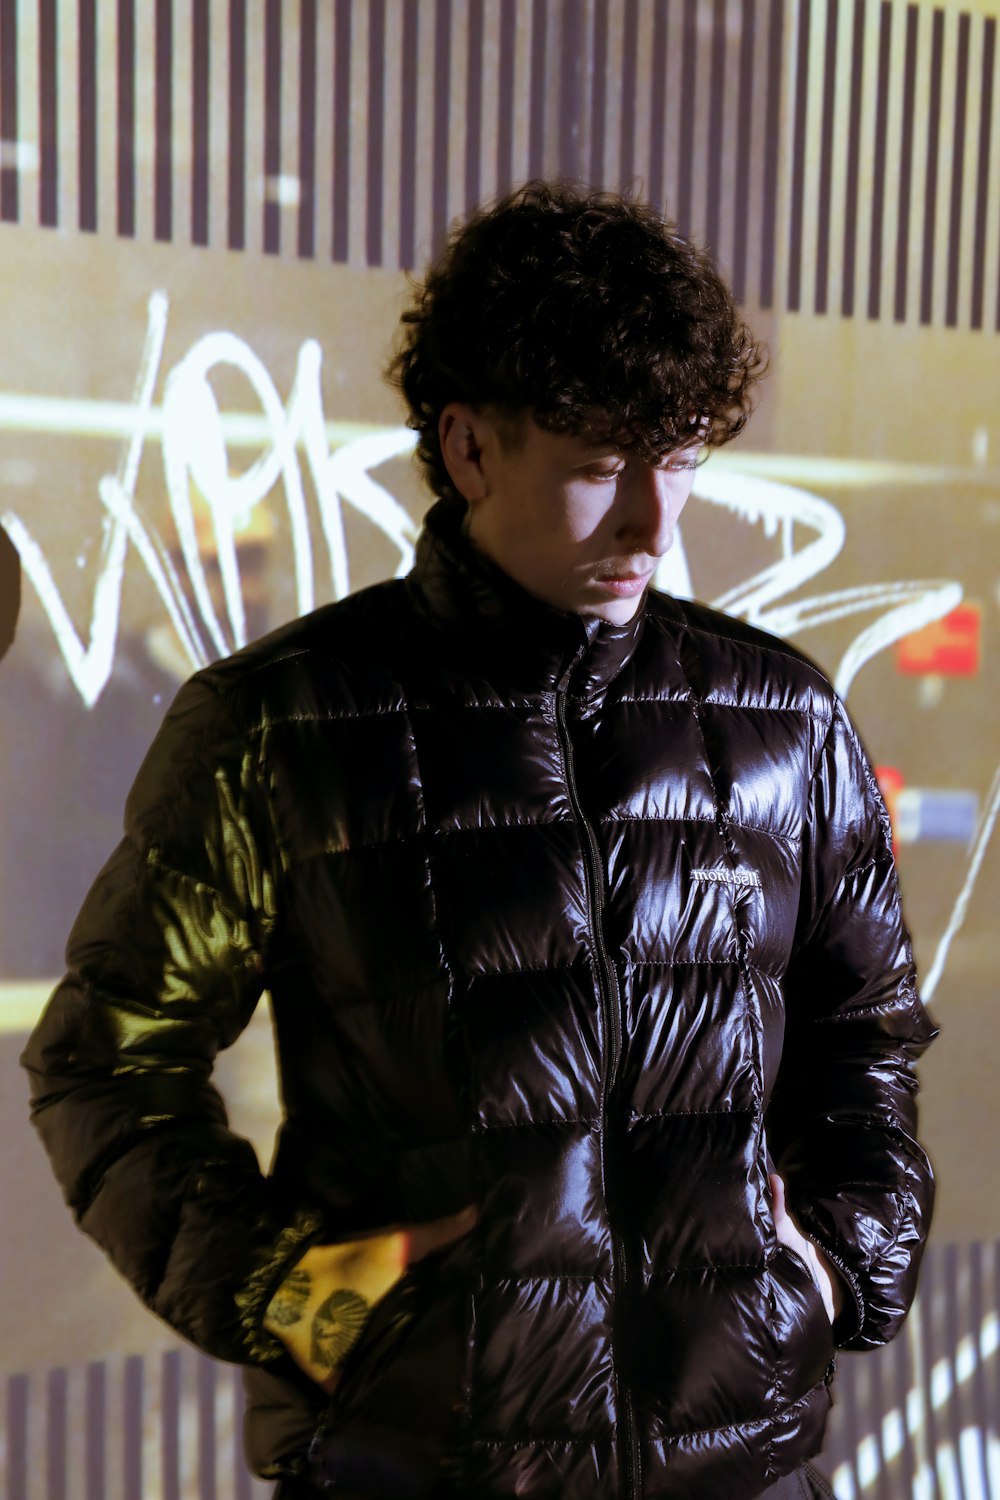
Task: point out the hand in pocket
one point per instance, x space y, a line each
324 1302
828 1282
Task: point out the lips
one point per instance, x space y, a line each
624 583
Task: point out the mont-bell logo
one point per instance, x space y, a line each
725 876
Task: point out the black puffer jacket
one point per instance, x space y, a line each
576 921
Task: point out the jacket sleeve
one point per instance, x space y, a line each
167 960
843 1114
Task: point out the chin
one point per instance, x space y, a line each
614 611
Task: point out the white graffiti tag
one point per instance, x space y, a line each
195 436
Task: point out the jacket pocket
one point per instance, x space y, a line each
387 1428
803 1331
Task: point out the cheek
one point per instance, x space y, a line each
585 511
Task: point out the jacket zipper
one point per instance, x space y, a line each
610 998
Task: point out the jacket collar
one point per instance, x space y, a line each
455 585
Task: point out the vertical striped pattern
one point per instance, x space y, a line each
95 1432
201 122
9 136
126 117
48 114
164 127
853 162
87 114
272 127
881 141
983 175
906 164
837 155
236 156
169 1426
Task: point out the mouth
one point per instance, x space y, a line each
625 585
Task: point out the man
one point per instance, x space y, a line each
577 909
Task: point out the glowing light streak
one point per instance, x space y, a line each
71 416
980 843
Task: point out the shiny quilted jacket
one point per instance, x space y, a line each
584 923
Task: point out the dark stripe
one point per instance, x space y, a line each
930 1342
931 182
163 204
236 205
826 159
957 171
982 1415
86 119
170 1424
689 73
241 1477
571 103
851 185
716 105
983 173
200 121
272 127
769 194
849 1425
8 110
658 106
903 1380
307 129
48 115
95 1430
376 131
342 130
629 85
538 89
798 188
408 138
952 1331
878 176
473 104
599 93
906 165
126 117
55 1435
744 136
17 1437
505 100
442 96
132 1429
875 1407
206 1429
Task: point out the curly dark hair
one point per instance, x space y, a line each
585 310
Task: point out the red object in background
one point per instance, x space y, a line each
890 784
949 647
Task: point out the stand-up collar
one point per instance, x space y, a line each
454 584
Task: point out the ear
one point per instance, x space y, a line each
461 432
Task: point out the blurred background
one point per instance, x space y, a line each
207 216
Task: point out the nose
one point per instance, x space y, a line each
656 497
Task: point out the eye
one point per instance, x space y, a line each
679 462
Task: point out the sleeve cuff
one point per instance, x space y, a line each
252 1300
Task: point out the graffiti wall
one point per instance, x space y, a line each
207 217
